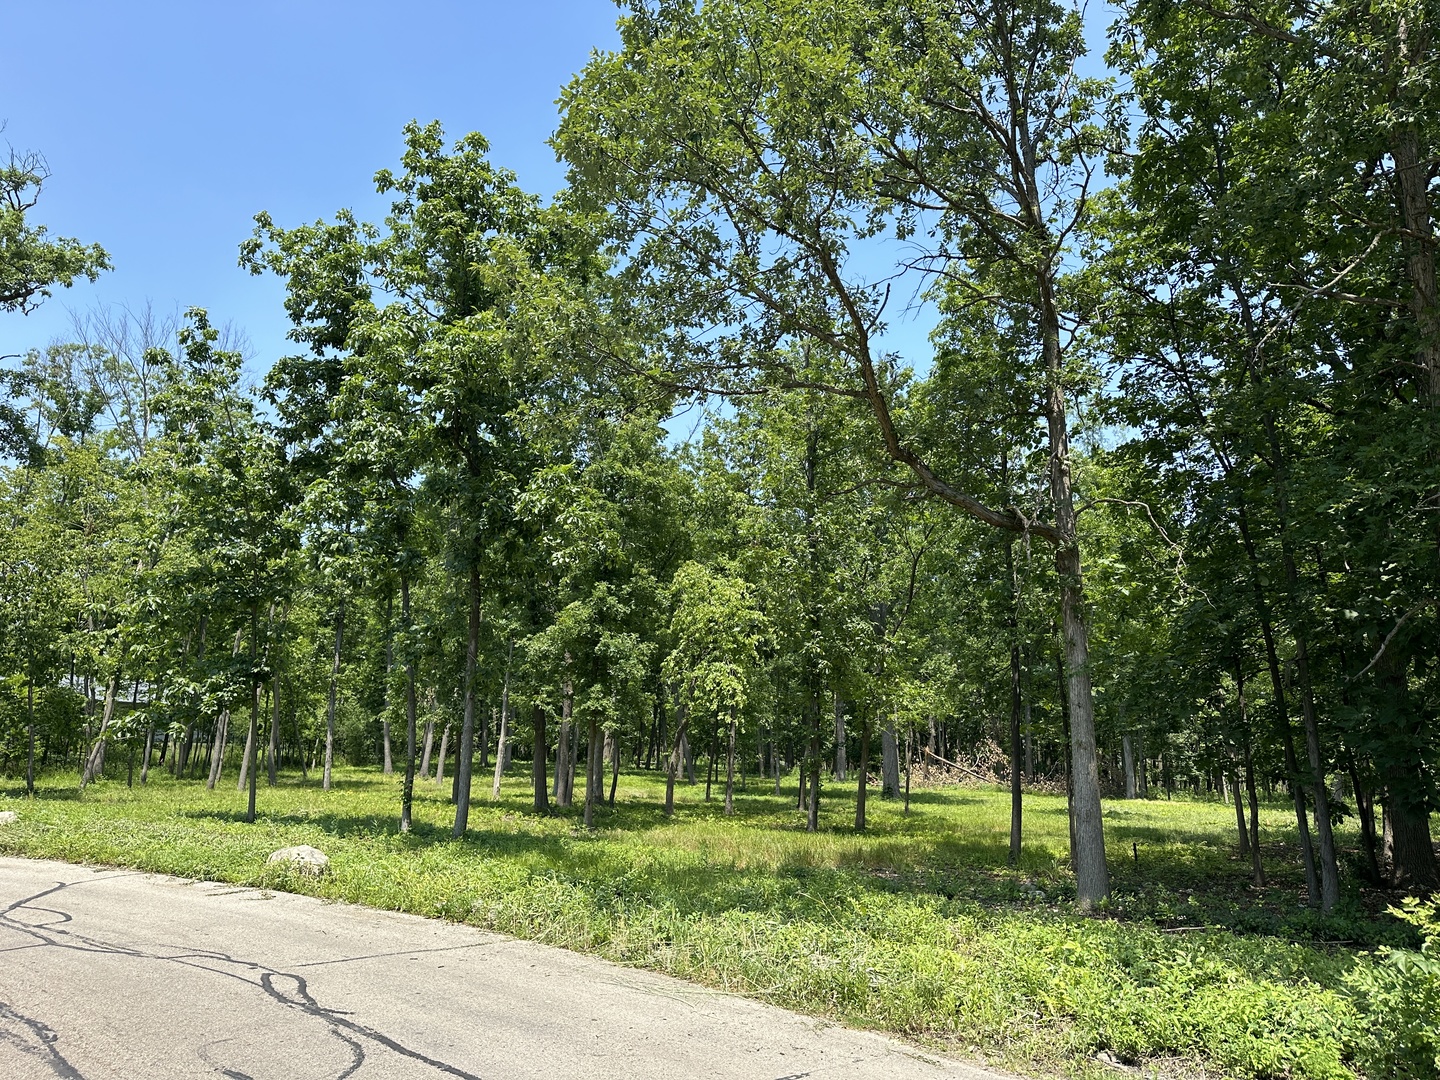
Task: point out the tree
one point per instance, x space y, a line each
493 310
31 263
764 147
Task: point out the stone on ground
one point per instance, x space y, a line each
304 859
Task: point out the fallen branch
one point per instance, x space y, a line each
962 768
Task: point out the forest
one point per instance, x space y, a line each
895 391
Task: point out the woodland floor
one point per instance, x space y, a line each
917 927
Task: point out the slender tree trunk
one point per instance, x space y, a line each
30 735
252 738
444 753
676 760
219 741
909 760
243 778
730 768
388 768
334 686
1257 868
889 762
565 750
1365 808
1329 865
1282 716
407 791
429 746
502 750
274 730
1017 790
1066 749
95 762
542 793
149 749
1240 825
467 720
863 772
612 749
812 808
840 762
562 751
593 773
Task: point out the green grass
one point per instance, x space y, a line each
917 927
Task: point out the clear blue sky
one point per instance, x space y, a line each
167 126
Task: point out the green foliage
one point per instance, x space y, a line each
1402 993
31 262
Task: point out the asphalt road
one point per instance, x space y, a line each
110 973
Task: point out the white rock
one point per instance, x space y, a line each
8 817
305 860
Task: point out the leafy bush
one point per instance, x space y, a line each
1402 993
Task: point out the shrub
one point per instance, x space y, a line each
1402 995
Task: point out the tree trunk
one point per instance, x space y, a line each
30 736
1017 791
429 746
1282 716
330 705
444 752
594 770
1240 813
889 763
730 768
388 768
407 791
466 756
839 738
243 778
252 737
612 751
1412 851
537 761
863 773
274 729
1365 809
566 749
149 749
218 743
812 808
562 752
1329 866
1065 749
1127 750
1257 868
502 749
95 762
676 760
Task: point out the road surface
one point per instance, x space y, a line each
118 974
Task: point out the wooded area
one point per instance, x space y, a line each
1158 510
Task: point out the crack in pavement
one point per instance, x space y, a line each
282 987
38 1031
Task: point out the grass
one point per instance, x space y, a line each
917 927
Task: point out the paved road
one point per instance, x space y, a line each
109 973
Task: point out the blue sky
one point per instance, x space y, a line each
167 126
